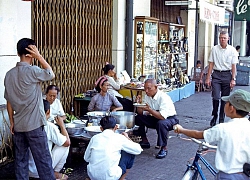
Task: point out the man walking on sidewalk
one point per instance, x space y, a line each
222 61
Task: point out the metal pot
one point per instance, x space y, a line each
74 129
125 118
96 115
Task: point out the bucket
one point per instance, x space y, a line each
125 118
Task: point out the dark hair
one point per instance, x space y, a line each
46 105
237 47
108 67
108 122
22 44
240 112
50 87
97 87
224 32
198 62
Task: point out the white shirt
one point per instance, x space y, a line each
223 58
162 103
233 144
53 136
104 152
114 86
56 109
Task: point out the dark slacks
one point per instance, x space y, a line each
221 84
162 127
220 87
37 141
126 104
235 176
126 161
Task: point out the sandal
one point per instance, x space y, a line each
60 176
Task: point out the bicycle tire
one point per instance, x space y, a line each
188 175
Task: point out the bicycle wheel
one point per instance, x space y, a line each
188 175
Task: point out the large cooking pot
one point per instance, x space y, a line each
125 118
95 116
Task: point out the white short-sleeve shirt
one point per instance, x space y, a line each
162 103
223 58
233 144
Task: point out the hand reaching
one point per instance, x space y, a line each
177 128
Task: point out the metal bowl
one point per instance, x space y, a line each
74 129
93 130
97 113
121 129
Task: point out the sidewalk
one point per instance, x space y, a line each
193 112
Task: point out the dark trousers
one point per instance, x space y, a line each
37 141
126 103
126 161
162 127
220 87
234 176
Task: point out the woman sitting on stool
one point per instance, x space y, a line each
103 100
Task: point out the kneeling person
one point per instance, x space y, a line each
59 152
109 154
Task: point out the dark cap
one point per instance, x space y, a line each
240 99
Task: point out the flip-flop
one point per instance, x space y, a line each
61 176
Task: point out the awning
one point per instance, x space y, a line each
211 13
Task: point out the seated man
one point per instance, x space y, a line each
109 154
60 151
159 113
103 101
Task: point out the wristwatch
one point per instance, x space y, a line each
234 79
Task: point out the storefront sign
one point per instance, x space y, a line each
211 13
242 10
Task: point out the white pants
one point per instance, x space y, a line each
59 155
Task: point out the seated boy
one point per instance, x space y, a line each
60 151
109 154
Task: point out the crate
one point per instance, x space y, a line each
242 78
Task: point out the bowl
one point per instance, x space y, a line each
93 130
80 121
121 129
74 129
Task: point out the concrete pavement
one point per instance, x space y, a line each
193 112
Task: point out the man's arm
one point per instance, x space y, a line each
64 132
11 113
232 83
150 111
34 53
210 69
191 133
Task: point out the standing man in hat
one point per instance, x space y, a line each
222 61
232 137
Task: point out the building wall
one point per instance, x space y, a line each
141 8
15 23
